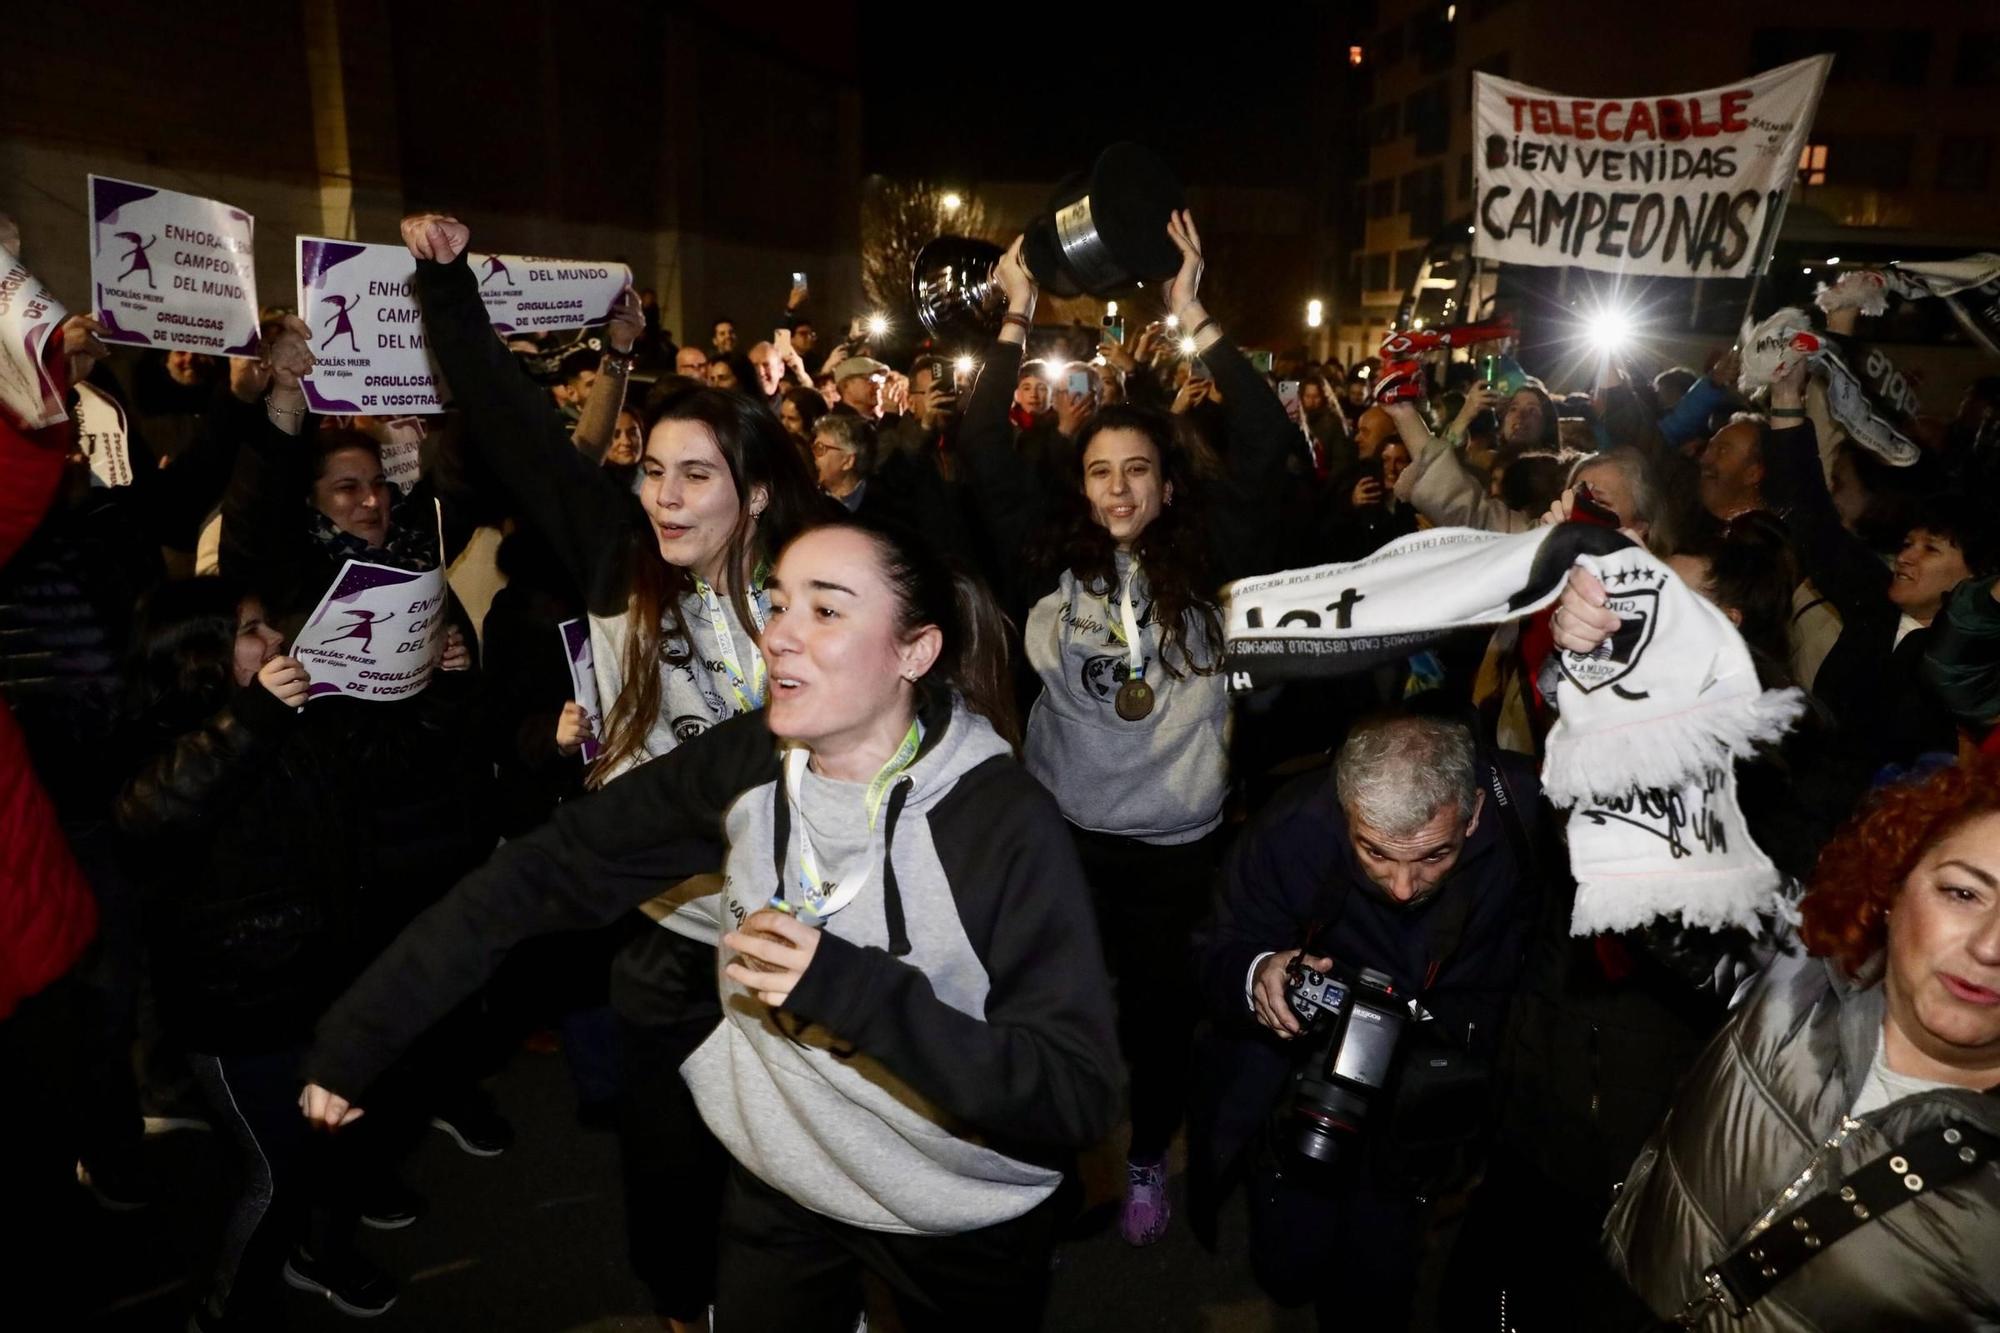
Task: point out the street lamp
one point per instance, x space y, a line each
951 203
1314 311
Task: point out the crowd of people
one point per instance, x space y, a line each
920 843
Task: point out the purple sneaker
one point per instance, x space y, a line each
1147 1212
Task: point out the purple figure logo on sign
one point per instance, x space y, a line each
493 266
363 629
136 262
342 321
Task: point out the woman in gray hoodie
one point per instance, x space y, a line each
1131 727
916 1032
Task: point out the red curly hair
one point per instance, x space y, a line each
1862 867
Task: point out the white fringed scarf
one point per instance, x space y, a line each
1650 724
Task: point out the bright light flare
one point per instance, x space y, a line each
963 365
1173 321
877 325
952 203
1610 329
1314 313
1187 347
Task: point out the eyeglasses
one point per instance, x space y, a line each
821 449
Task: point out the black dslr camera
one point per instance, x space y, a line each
1352 1025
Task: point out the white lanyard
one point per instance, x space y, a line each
748 688
1135 656
819 897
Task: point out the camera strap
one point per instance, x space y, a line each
1932 1160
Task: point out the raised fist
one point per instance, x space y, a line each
435 236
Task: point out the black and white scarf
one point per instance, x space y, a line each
413 544
1650 724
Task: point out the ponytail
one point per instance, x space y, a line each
972 664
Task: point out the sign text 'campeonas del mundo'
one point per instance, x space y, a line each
172 270
1689 185
371 353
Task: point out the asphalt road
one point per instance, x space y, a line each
533 1241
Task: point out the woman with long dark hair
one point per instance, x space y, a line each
916 1031
674 581
1130 730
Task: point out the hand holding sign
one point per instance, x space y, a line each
327 1110
290 353
438 237
286 681
457 657
80 345
627 321
573 729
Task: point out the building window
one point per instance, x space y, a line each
1375 274
1355 55
1427 115
1382 200
1812 164
1389 47
1965 161
1409 263
1978 63
1434 38
1382 125
1874 161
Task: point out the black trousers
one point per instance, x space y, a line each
673 1168
1148 899
1352 1249
786 1267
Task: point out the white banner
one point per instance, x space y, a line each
29 317
1688 185
377 634
368 334
102 436
171 269
583 681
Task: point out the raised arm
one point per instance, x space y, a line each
599 421
1437 483
1840 564
516 430
998 481
1242 516
264 534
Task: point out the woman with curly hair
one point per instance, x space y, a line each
1846 1124
1130 728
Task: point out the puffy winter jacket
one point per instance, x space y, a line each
1771 1089
47 916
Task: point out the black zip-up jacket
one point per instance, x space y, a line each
1292 874
1874 686
281 851
1039 1068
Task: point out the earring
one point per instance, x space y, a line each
910 676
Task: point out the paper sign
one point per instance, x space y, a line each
402 448
1687 185
377 634
171 269
583 681
29 317
102 436
368 333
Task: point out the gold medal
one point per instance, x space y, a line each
1135 699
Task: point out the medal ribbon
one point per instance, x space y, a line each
1135 658
749 690
820 898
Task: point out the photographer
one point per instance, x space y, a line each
1411 858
